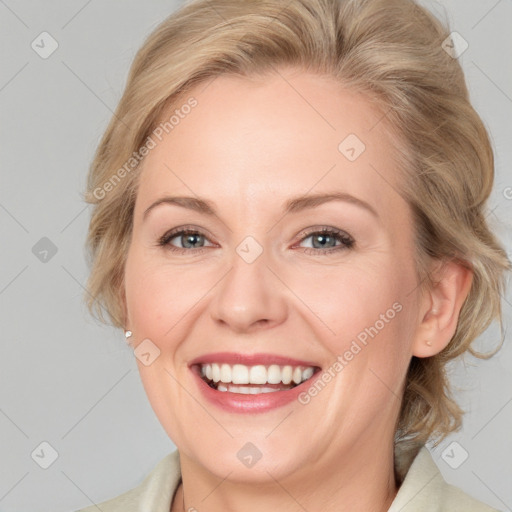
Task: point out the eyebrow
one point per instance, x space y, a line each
293 205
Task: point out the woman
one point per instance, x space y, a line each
289 224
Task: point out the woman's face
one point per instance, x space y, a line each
258 280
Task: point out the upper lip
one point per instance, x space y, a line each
250 359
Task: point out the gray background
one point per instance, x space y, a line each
67 380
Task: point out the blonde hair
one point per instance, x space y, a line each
390 50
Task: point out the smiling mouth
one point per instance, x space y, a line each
253 380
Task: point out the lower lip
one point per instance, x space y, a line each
262 402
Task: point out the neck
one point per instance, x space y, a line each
360 479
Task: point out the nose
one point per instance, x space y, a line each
249 297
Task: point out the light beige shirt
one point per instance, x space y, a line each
422 488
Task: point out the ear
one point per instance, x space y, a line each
441 307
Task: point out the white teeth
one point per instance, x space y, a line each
225 373
215 372
287 374
306 374
245 390
274 374
240 374
258 374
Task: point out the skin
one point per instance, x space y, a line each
248 146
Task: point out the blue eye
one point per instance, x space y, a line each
187 237
325 237
323 241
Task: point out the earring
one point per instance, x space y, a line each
428 342
127 334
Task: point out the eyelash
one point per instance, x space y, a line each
347 242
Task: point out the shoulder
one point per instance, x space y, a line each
424 489
154 493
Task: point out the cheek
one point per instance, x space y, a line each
363 314
149 293
350 298
161 297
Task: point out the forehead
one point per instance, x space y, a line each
254 143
